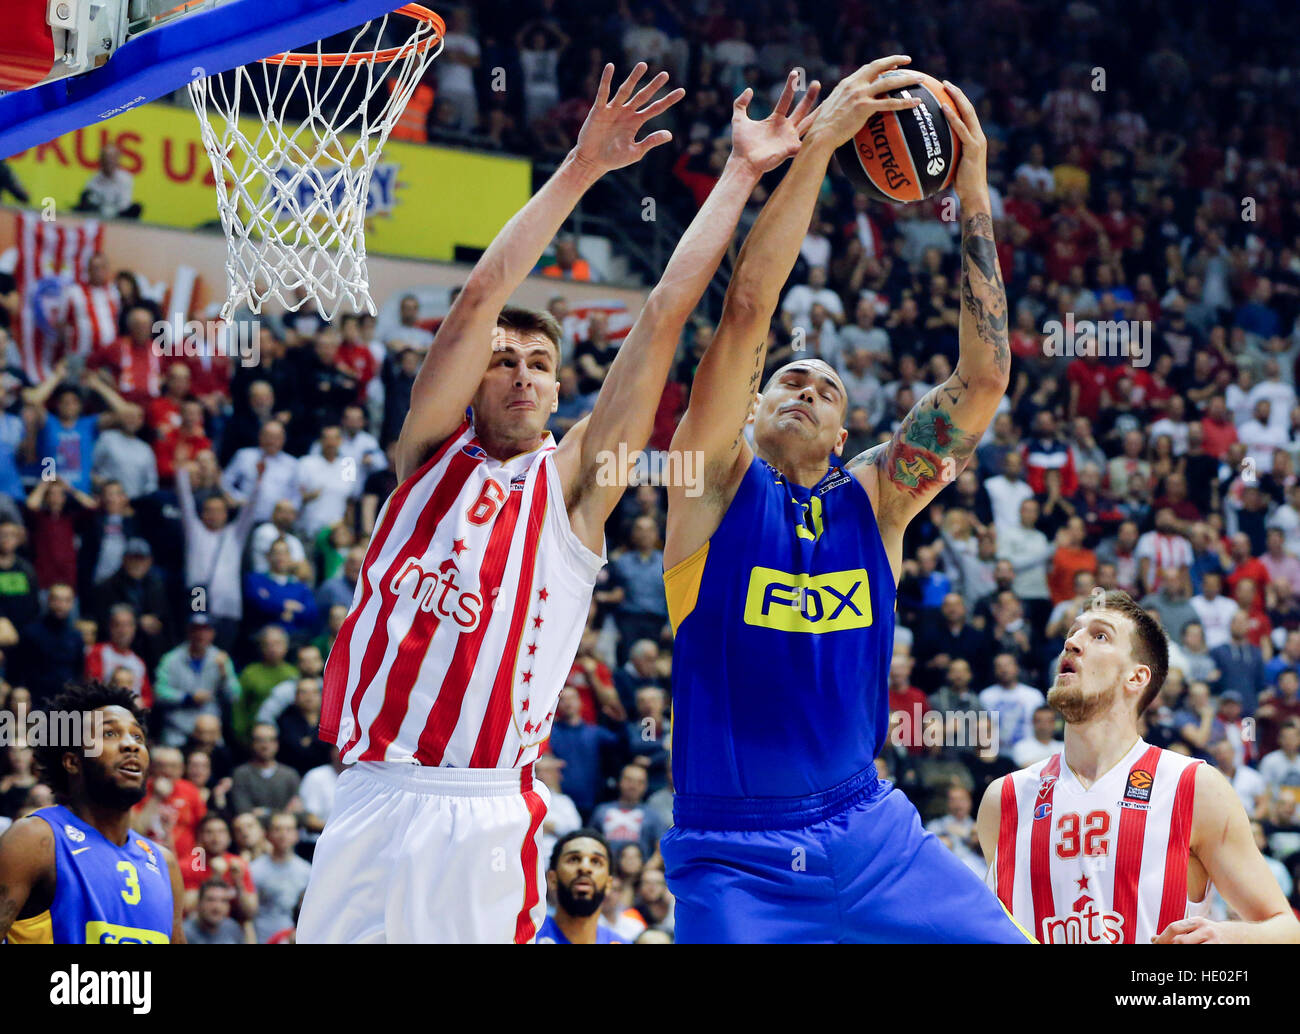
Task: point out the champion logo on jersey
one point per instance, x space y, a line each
1043 810
474 452
73 833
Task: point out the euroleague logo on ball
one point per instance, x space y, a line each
935 166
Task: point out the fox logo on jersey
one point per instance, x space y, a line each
423 586
808 603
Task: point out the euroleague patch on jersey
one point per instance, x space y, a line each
1139 786
842 478
789 602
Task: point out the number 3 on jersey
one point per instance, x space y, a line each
132 893
1094 839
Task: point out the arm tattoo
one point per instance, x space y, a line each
928 450
754 376
8 908
982 292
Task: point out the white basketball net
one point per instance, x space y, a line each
293 189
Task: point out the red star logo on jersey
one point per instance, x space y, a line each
532 649
537 621
528 677
542 594
528 727
458 547
523 704
1082 881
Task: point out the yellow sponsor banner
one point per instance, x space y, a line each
424 200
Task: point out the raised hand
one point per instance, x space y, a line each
856 97
972 172
766 144
608 137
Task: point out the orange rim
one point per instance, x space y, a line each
416 11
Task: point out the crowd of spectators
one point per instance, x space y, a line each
1160 193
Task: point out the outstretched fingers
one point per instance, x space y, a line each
787 94
969 118
884 64
661 136
602 91
648 90
803 113
629 84
662 104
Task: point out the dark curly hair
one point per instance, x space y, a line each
84 697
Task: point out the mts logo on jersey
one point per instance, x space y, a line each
788 602
438 591
1085 925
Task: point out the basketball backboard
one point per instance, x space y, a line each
139 50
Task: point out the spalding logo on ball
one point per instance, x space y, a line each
905 155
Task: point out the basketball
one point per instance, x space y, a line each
905 155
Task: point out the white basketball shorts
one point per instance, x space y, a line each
429 855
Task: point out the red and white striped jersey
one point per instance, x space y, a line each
92 317
1105 865
466 616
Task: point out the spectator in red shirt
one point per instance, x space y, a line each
133 362
163 414
591 678
1218 428
55 512
1088 379
105 658
907 705
1251 602
1064 252
184 442
174 808
356 357
1245 566
214 860
1175 498
699 181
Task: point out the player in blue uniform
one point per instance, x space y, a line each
781 579
75 873
578 876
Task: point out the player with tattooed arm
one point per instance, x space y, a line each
781 580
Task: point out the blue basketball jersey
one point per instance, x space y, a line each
104 894
550 933
784 626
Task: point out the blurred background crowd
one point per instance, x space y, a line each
1143 161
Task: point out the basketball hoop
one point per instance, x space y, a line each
293 190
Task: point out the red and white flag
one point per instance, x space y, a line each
51 255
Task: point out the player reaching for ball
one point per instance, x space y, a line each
781 580
1114 841
442 684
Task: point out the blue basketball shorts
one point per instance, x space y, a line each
850 865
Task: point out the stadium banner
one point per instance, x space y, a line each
410 215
